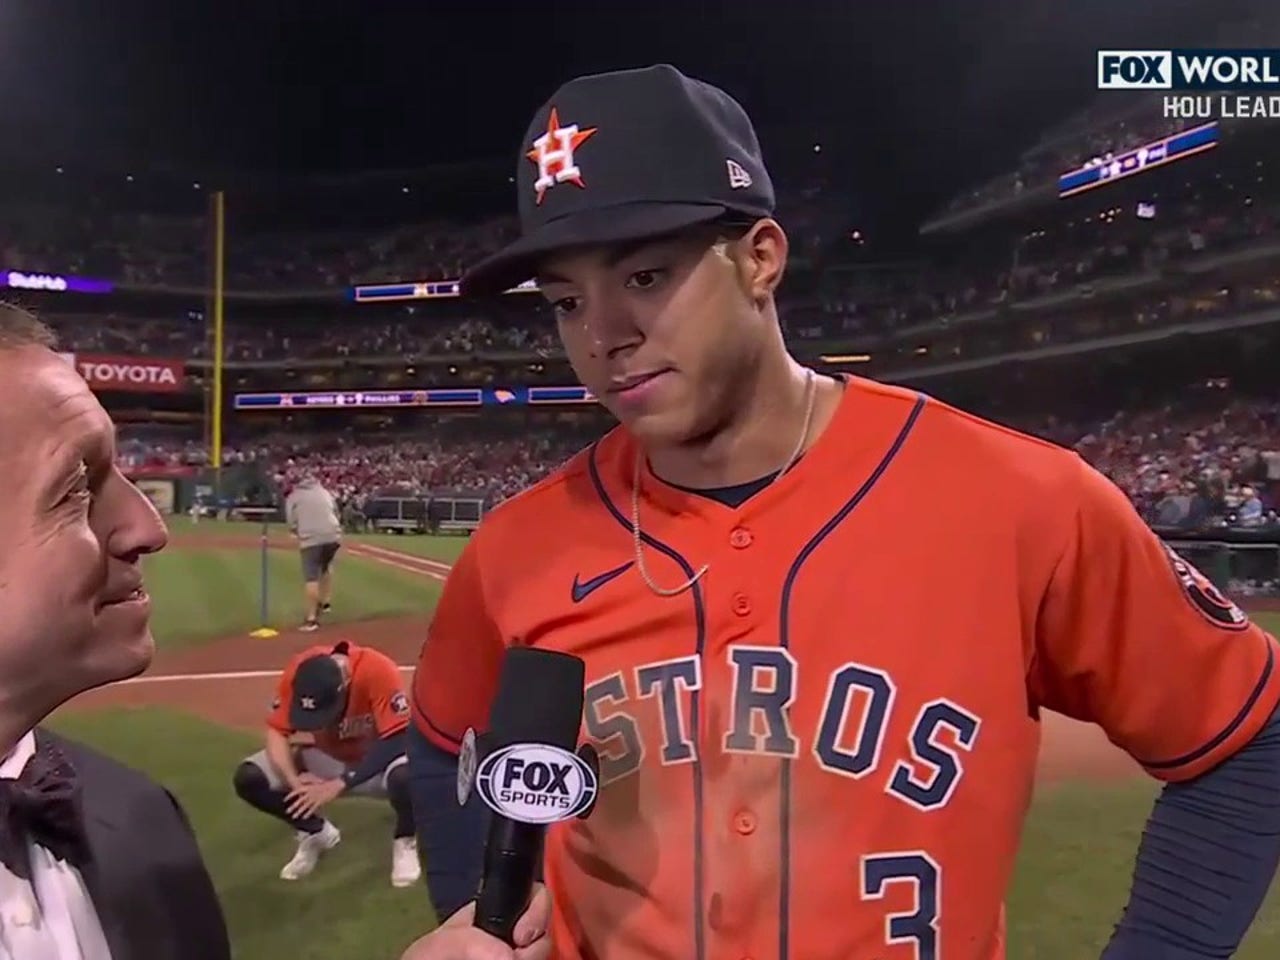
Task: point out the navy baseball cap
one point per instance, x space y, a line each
319 693
623 156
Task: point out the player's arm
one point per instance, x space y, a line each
453 686
278 731
456 676
390 717
1134 639
376 759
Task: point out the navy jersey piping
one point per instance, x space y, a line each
417 709
784 638
1231 727
700 621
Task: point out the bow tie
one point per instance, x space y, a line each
43 806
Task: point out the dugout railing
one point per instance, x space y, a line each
1239 560
446 512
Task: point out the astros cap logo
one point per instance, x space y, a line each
553 153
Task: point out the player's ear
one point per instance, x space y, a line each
762 256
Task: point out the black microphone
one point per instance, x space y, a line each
526 770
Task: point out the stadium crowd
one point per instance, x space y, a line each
149 250
1183 465
843 303
440 458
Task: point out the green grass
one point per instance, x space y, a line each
347 909
1074 870
1072 876
199 594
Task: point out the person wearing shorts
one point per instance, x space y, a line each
313 518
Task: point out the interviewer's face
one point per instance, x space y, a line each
74 532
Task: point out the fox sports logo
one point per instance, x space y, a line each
536 783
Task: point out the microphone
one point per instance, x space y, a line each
527 771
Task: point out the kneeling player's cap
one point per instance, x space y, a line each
319 693
625 156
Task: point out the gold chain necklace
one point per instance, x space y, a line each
811 392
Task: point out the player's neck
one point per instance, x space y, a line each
762 431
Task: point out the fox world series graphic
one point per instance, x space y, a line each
1203 84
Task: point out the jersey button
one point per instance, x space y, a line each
741 604
740 538
745 823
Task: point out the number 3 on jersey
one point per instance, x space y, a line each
848 741
883 871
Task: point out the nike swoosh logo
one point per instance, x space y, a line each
582 590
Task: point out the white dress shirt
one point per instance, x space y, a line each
51 917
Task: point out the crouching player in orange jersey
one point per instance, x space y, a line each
820 616
350 702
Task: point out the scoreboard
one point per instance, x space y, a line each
420 290
432 397
1184 143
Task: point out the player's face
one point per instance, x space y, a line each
75 615
666 333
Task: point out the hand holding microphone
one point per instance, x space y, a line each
459 939
526 770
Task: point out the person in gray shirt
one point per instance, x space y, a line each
313 519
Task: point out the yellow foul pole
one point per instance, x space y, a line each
219 250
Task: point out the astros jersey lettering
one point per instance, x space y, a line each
825 750
377 705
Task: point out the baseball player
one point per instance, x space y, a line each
815 672
349 702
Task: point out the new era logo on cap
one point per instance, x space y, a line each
739 179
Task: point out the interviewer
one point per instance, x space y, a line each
97 862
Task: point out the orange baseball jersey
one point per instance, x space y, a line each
377 705
825 749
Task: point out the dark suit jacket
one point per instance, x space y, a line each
148 882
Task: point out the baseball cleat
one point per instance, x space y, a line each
309 626
406 869
311 847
